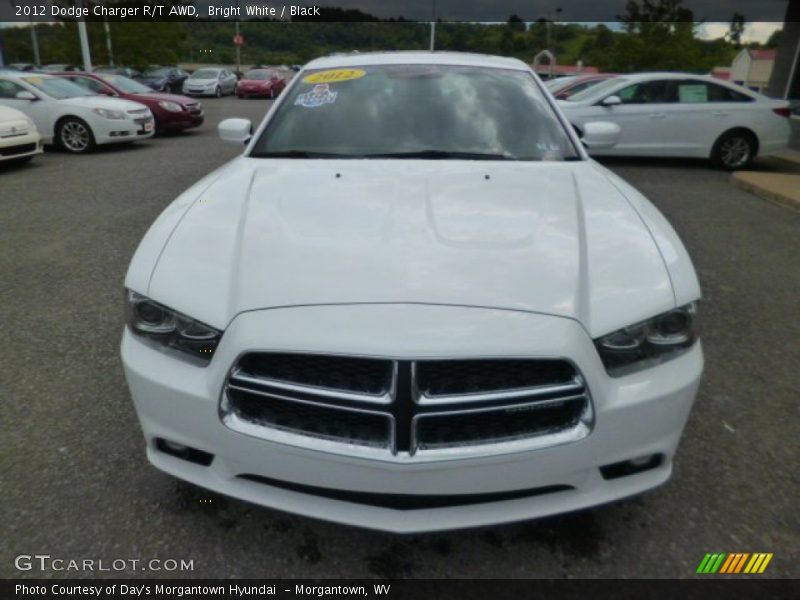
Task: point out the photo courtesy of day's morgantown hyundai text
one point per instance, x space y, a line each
414 303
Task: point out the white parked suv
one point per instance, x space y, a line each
19 139
413 303
71 116
684 115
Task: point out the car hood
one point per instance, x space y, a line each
100 101
553 238
191 81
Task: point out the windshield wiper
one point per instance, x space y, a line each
301 154
444 155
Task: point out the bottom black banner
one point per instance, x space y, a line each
427 589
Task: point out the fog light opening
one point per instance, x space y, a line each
632 466
184 452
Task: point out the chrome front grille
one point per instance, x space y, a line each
407 407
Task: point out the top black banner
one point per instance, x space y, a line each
23 11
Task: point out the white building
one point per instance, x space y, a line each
752 68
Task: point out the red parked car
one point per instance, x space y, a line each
565 87
261 83
171 111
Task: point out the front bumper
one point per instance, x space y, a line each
112 131
638 415
20 146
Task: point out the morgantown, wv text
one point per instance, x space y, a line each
178 591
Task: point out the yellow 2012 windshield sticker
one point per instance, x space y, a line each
334 76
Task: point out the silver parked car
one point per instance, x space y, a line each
210 82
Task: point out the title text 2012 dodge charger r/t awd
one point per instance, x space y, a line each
414 303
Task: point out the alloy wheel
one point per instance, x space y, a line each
75 136
735 152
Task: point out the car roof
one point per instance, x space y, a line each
417 58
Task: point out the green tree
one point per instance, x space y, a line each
736 29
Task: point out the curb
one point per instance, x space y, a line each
771 186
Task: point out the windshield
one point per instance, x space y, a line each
598 90
259 75
205 74
416 111
58 88
159 72
129 86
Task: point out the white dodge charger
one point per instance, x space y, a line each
413 303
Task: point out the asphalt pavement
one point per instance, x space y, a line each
75 482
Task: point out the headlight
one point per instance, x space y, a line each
109 114
169 328
170 106
648 343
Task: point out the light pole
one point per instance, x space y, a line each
238 45
35 43
433 27
84 36
108 43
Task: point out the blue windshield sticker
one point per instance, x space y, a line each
320 94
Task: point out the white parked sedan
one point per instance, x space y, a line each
19 139
210 82
683 115
413 303
71 116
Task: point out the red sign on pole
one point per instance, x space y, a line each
238 40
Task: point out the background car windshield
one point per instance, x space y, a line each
405 109
598 90
205 74
129 86
58 88
259 75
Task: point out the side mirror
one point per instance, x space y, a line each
26 95
600 134
235 131
611 101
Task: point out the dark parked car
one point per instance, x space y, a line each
261 83
58 67
126 71
171 112
23 67
163 79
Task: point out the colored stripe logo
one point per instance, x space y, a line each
734 563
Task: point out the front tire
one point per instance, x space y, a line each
734 150
75 136
218 92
